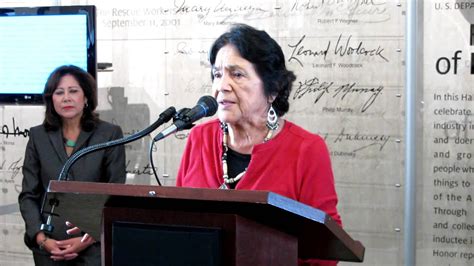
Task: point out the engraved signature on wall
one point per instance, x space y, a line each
370 10
313 86
139 169
377 140
14 130
220 9
10 170
343 47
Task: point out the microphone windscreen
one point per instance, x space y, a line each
209 103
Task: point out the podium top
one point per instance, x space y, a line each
316 231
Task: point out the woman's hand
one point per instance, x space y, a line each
69 249
49 245
76 230
54 247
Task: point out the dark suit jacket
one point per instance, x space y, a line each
45 156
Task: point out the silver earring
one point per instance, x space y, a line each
272 119
86 105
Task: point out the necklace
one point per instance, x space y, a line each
69 143
225 149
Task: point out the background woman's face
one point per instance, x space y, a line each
68 98
237 88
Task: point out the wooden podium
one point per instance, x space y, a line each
151 225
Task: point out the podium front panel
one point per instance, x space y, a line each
149 245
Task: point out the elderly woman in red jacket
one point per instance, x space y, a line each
250 146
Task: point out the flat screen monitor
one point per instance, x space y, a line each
36 40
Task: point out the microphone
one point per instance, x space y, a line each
206 106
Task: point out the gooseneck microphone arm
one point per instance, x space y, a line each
164 117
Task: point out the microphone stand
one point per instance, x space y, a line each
164 117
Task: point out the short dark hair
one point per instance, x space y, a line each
52 120
257 47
